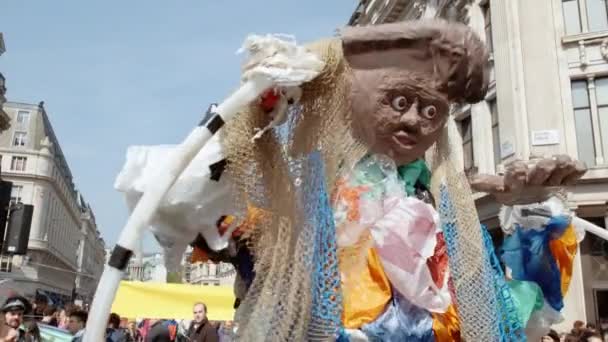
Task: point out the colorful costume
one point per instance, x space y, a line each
359 238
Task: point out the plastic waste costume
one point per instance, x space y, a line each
360 222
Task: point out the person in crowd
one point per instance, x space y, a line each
591 328
49 316
64 317
201 329
133 334
604 328
13 310
552 336
578 328
32 332
590 336
57 316
114 333
226 331
41 303
159 332
182 330
76 324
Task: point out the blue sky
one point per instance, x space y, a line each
118 73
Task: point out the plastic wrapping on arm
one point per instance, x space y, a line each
532 216
194 203
540 245
527 297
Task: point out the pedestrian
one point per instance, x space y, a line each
226 331
590 336
32 332
64 317
41 302
76 324
49 318
552 336
133 334
577 330
201 329
13 310
114 333
159 332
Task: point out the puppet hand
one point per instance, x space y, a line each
280 59
524 185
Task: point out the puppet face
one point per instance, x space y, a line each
396 112
403 78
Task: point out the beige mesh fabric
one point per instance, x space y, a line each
278 303
476 302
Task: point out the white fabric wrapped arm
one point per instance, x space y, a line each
192 206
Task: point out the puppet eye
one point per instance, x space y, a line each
429 112
399 103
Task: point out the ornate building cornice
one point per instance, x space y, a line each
397 10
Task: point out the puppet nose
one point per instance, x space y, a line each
410 119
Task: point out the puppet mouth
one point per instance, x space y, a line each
404 139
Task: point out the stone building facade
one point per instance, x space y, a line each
64 246
548 95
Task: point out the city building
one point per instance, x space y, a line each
207 273
548 95
57 257
91 254
4 119
147 267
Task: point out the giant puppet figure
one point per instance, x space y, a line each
356 219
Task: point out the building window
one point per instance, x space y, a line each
487 17
583 122
20 139
572 16
596 15
18 163
591 123
466 132
23 117
16 193
495 132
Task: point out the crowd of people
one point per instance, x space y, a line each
582 332
22 322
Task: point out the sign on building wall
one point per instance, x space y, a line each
545 137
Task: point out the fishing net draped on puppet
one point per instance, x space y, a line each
319 193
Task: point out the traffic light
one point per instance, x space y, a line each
18 235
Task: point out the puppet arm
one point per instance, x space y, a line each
200 196
538 250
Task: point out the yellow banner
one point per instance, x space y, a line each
172 301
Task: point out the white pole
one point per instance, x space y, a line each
590 227
151 199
